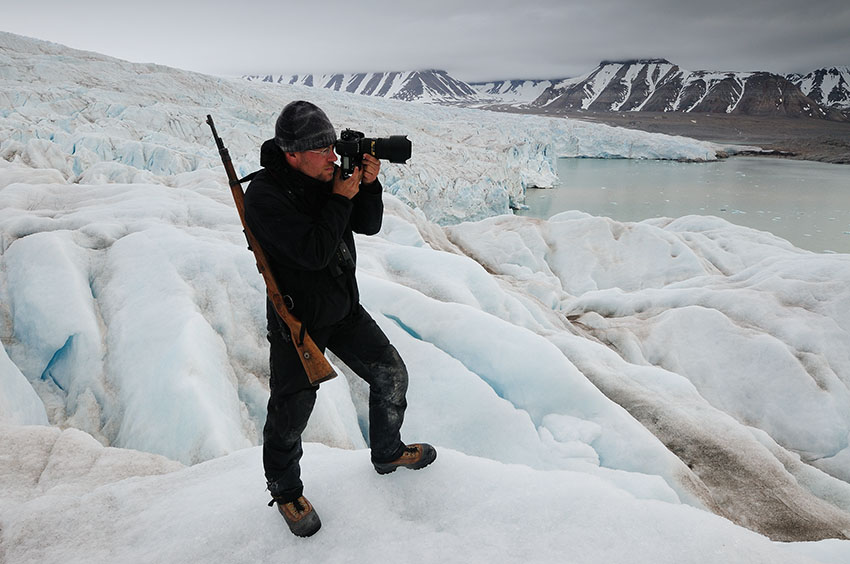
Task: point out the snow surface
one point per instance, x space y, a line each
674 390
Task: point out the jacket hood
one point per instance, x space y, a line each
271 156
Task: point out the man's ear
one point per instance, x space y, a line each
291 158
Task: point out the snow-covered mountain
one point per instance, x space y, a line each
828 86
513 91
419 86
660 86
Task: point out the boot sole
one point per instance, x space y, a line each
308 529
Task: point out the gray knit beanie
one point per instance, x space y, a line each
302 126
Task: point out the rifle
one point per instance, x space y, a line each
316 366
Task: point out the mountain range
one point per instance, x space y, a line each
636 85
660 86
424 86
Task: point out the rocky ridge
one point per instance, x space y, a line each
424 86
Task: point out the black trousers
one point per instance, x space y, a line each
362 346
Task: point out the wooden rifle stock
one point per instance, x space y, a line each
316 366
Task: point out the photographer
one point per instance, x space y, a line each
304 215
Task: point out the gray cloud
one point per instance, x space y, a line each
474 40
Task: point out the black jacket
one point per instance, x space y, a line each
306 231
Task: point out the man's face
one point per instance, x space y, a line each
315 163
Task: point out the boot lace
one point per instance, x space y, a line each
296 504
411 451
299 507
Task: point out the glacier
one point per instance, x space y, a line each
464 165
674 390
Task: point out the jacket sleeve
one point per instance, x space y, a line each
294 238
368 211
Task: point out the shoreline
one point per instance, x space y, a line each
800 138
781 137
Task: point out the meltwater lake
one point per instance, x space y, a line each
805 202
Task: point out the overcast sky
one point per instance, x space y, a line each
472 39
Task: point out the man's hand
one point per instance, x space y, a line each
371 167
348 187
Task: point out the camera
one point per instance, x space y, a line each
352 145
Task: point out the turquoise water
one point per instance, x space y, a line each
807 203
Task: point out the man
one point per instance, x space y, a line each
304 215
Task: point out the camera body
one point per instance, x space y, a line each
352 145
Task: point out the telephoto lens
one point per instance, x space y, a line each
352 145
395 148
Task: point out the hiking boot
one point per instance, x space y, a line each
300 516
415 456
